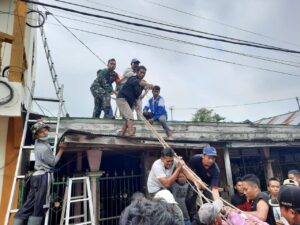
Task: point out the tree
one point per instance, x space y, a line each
206 115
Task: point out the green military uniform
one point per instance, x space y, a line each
101 89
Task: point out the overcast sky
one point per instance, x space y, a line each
187 82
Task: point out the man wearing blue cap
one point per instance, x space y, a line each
206 168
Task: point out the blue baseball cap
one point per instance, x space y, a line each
210 151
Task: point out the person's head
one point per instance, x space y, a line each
297 176
209 156
290 182
111 64
291 174
274 186
141 72
167 157
181 179
251 186
134 64
209 213
137 195
165 195
289 202
147 212
155 91
238 185
40 131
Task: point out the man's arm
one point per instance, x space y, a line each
262 210
168 181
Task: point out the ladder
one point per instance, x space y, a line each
28 121
85 198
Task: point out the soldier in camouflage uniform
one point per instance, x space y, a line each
102 89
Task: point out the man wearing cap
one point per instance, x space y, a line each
129 72
289 202
37 201
102 89
209 214
206 168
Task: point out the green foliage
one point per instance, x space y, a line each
206 115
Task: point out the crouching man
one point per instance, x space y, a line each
37 201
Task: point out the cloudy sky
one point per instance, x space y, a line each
187 81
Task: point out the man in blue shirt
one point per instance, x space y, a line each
155 110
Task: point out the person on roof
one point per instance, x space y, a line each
37 201
155 110
129 72
102 90
128 96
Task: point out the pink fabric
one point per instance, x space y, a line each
242 219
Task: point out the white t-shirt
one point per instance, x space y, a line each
158 171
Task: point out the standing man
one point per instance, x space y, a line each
102 89
239 199
289 202
207 170
129 72
158 112
273 189
37 201
128 96
260 207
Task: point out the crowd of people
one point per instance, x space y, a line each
171 182
130 90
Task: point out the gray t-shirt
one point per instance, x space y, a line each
44 158
180 193
158 171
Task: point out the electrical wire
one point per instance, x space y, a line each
190 54
235 105
220 23
135 31
163 29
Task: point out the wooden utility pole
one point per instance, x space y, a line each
4 38
17 59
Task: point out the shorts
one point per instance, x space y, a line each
124 108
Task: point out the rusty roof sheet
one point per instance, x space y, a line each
291 118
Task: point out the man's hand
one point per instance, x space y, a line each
62 145
181 163
151 121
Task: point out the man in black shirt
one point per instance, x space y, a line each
128 96
207 170
260 207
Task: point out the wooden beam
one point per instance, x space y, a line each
228 171
17 50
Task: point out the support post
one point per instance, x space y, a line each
268 163
228 171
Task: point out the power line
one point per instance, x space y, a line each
101 60
163 29
221 23
235 105
186 53
131 30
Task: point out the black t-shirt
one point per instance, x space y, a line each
270 217
131 90
210 176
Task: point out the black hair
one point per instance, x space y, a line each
294 172
273 179
141 67
156 87
146 212
111 60
167 152
238 179
251 178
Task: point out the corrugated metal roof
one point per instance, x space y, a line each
291 118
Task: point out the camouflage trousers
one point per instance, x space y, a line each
102 103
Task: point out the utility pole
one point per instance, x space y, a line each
297 99
171 109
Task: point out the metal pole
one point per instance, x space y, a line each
171 109
228 171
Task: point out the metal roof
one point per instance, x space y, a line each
291 118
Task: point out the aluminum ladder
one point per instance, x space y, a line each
86 199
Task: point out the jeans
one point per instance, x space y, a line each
187 222
163 121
